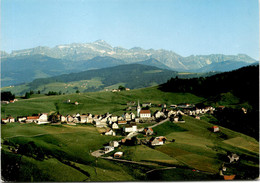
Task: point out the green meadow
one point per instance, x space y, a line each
95 102
189 146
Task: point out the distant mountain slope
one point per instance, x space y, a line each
130 75
101 62
155 63
86 51
225 66
17 70
22 69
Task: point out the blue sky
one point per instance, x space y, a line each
184 26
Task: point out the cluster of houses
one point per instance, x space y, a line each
154 141
11 101
117 90
127 119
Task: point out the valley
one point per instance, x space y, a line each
86 122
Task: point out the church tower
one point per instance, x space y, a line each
138 109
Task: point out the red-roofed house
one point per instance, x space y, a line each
148 131
31 119
157 140
145 114
215 128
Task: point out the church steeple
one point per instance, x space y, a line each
138 109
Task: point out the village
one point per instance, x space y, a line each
125 125
139 122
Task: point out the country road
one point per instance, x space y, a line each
163 121
133 162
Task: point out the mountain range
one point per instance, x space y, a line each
25 65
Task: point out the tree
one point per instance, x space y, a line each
39 92
77 91
121 88
7 95
27 95
53 118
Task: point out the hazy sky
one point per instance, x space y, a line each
184 26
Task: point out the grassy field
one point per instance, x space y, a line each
72 143
95 102
70 87
195 147
67 148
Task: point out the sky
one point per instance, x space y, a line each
187 27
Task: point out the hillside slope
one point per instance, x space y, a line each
233 90
131 76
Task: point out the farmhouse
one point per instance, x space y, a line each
108 149
22 119
31 119
114 143
215 129
121 122
233 157
197 117
127 117
110 132
148 131
43 117
69 118
115 126
159 114
132 116
157 140
145 114
8 120
130 128
62 118
114 118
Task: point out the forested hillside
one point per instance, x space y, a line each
133 75
233 90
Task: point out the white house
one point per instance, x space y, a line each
31 119
159 114
22 119
215 128
130 128
233 157
115 126
157 141
108 149
63 118
148 131
127 117
8 120
132 116
114 143
43 117
114 118
145 114
110 132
